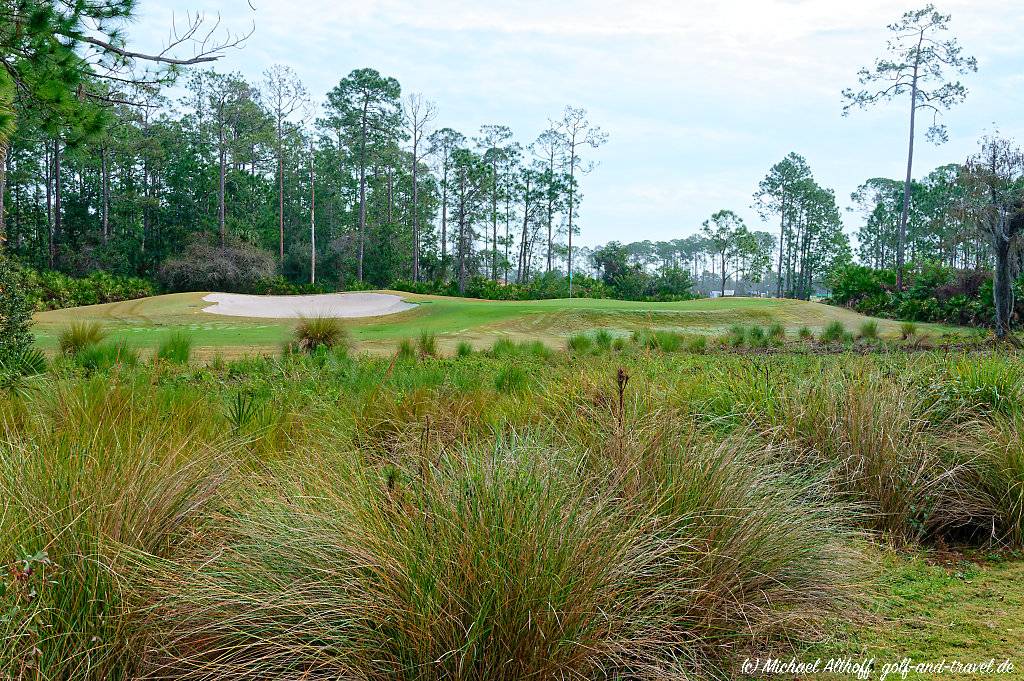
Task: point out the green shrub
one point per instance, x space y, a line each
805 333
834 332
427 344
908 330
776 333
619 343
603 339
176 348
15 311
869 330
78 336
464 349
312 333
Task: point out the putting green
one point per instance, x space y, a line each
143 323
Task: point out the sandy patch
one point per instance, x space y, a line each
325 305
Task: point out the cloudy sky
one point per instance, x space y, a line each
699 97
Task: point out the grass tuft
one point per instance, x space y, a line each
78 336
312 333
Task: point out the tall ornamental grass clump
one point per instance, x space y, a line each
89 475
175 348
78 336
510 561
312 333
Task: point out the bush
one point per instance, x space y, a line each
313 333
907 330
776 333
736 336
603 339
464 349
176 348
805 333
15 311
237 267
78 336
835 332
51 290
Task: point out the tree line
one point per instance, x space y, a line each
359 189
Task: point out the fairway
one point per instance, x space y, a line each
143 323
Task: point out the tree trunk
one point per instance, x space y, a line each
280 192
220 189
901 241
415 208
572 191
3 191
723 274
1002 287
57 226
782 234
312 218
105 191
362 193
444 222
494 219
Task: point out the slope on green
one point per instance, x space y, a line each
142 323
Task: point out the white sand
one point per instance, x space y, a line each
326 305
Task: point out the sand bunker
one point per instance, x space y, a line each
326 305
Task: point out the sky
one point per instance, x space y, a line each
698 97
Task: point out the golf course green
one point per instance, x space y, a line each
144 322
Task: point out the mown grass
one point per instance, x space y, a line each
640 511
142 324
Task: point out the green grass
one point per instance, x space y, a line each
143 323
